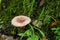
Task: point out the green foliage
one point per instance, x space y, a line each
26 33
33 38
29 34
28 7
57 32
12 8
40 15
47 20
0 1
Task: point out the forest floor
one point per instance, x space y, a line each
44 15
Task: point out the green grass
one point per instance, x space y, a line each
47 13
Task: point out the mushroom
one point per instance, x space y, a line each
20 21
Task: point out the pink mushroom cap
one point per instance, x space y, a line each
20 21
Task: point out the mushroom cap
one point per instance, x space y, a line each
20 21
